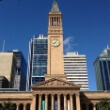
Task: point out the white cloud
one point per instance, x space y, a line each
69 45
68 40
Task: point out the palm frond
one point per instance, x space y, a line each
103 104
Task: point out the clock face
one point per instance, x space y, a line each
55 42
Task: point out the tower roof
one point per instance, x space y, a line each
106 52
55 7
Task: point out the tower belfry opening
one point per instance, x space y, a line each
55 15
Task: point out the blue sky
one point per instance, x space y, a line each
86 25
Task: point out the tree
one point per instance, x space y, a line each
7 106
103 104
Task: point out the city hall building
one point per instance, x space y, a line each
55 93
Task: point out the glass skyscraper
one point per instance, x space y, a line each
102 70
37 60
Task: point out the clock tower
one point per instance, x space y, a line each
55 66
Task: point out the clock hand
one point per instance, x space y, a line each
54 42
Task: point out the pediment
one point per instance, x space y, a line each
55 83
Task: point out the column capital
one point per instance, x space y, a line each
52 94
94 103
24 103
71 94
77 94
65 94
40 94
18 104
59 94
46 94
34 94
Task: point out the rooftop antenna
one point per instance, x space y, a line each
3 46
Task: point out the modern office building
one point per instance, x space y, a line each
8 67
76 69
37 60
14 68
21 71
102 70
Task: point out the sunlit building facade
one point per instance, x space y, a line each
76 70
8 67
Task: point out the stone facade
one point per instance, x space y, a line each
52 90
55 91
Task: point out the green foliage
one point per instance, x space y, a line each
7 106
103 104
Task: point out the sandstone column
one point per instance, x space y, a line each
52 99
58 101
94 106
60 21
17 106
24 107
40 96
65 103
71 101
33 104
77 102
46 102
